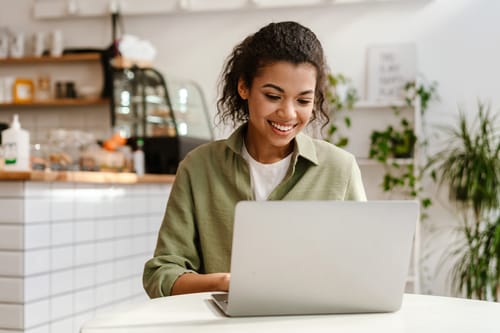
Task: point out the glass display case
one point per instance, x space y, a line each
171 117
141 105
190 109
144 106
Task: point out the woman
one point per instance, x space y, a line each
274 83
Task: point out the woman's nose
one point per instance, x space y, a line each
287 109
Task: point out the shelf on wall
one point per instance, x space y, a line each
58 102
92 8
44 59
380 104
364 161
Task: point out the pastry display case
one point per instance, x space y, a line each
170 116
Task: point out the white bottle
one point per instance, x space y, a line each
16 143
139 160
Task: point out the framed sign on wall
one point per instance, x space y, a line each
389 67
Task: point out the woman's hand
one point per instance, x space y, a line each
195 283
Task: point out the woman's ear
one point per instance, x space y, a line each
242 89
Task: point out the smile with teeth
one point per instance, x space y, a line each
280 127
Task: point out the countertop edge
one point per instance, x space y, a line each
85 177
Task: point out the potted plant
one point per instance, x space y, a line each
392 144
469 167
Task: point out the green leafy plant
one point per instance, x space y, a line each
469 166
392 145
341 98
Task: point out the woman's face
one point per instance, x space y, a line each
280 104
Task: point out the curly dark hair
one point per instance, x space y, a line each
283 41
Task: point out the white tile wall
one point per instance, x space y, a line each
84 231
61 282
84 254
104 273
36 261
11 290
37 210
61 326
103 295
36 236
104 251
12 210
61 306
11 264
11 316
84 277
36 287
62 201
84 300
36 313
11 237
61 233
61 257
79 319
39 329
105 229
69 250
11 189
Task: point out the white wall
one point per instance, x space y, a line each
457 45
456 39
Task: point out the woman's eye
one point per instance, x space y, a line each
272 97
304 101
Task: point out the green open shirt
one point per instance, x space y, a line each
196 232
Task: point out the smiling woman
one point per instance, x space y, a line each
273 85
281 99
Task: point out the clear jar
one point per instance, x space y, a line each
39 157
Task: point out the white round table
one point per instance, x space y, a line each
197 313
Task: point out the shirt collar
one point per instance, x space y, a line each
304 145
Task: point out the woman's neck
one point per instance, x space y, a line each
267 154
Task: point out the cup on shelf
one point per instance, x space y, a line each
56 43
6 89
70 90
66 89
38 43
43 92
2 91
60 90
17 46
4 45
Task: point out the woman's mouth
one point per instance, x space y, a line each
281 127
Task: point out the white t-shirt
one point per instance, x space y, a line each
265 177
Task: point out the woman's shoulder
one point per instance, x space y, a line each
206 150
206 154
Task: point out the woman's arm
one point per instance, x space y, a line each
195 283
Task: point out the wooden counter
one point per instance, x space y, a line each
85 177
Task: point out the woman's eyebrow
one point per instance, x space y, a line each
270 85
281 90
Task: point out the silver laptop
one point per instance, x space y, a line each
319 257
